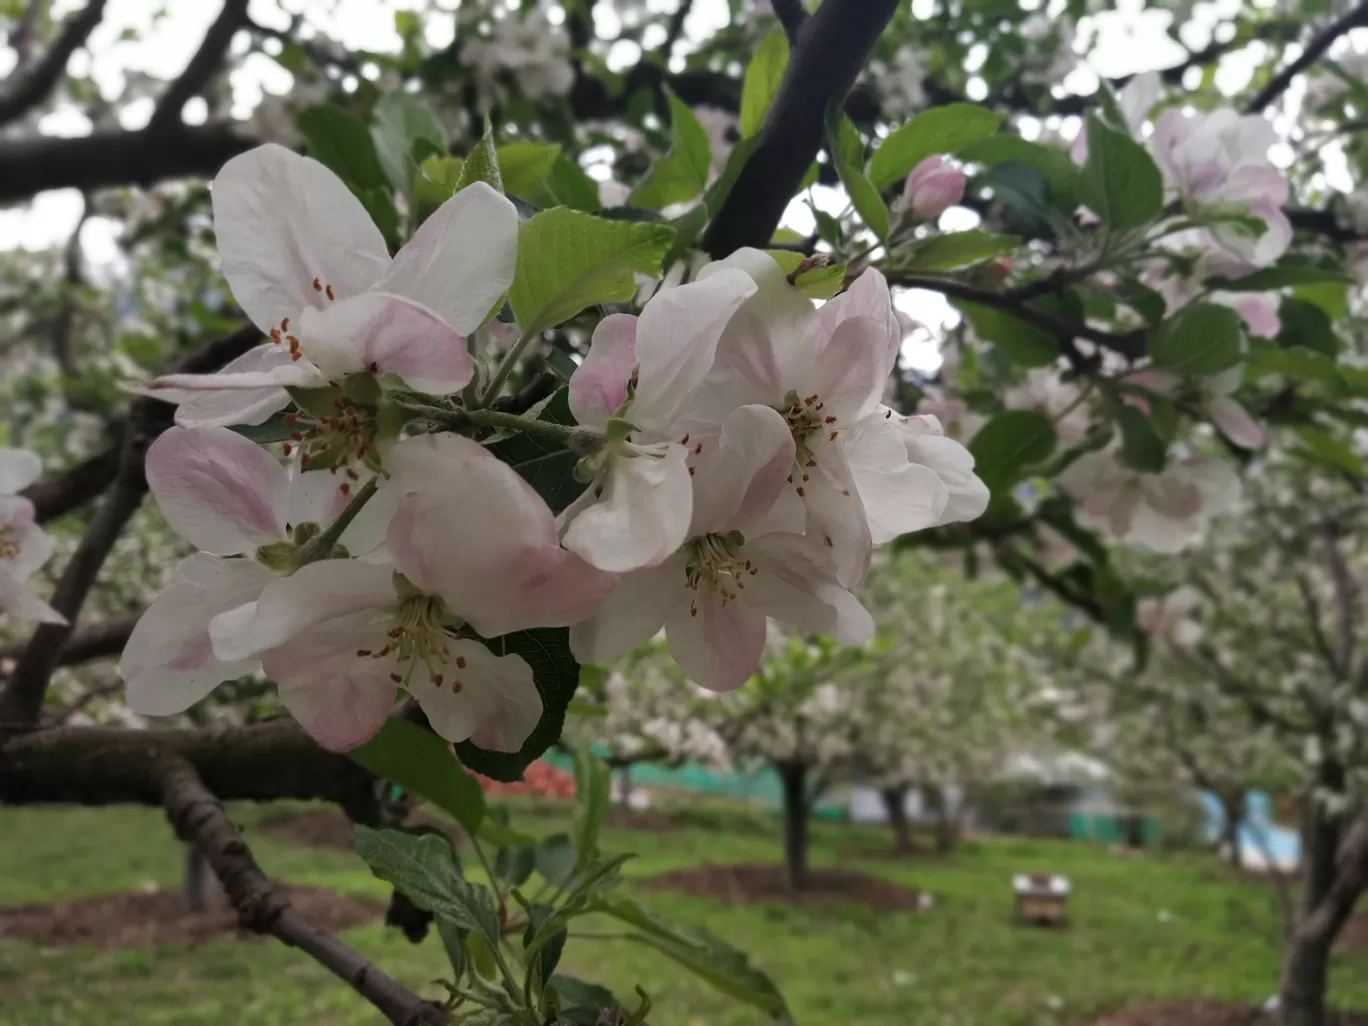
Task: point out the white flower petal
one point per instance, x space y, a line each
632 615
796 583
899 496
717 645
867 296
461 260
18 602
30 546
169 662
218 491
641 515
491 701
282 222
201 409
599 385
738 484
19 468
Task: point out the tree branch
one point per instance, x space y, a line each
201 69
97 641
822 68
33 86
75 487
1315 49
792 15
1350 882
1346 595
199 818
22 699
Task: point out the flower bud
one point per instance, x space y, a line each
932 186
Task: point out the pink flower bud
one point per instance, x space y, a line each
932 186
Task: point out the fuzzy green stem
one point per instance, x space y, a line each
321 547
505 368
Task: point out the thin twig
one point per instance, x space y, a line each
33 86
1315 49
96 641
206 62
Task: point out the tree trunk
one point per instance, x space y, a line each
1230 835
895 804
625 785
793 776
199 887
1306 958
947 832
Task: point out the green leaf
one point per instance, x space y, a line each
424 867
682 173
702 953
514 863
454 944
1295 362
763 74
500 834
556 674
526 165
1141 446
1009 443
1201 339
1306 324
578 993
957 250
482 163
593 782
690 224
420 761
1331 297
568 260
549 951
343 143
433 184
1120 183
1265 279
939 130
1060 173
1022 343
848 151
398 121
1330 451
555 858
546 466
821 282
1023 192
1144 300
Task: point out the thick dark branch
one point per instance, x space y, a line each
22 699
32 86
1315 49
1346 599
112 157
821 70
203 66
1130 345
261 762
675 29
97 641
199 818
792 15
1351 880
73 488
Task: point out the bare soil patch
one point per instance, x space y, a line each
129 919
1207 1013
640 819
749 882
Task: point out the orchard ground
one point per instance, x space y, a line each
1144 927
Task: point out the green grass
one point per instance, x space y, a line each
963 964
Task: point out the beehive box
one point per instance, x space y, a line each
1042 899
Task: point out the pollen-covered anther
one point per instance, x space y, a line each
715 562
9 544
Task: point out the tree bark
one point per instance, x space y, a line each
1230 835
793 776
895 804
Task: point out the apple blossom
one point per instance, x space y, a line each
639 374
24 547
1214 399
311 270
1218 162
1164 512
1170 616
744 560
340 636
1044 391
932 186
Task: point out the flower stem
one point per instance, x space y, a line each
505 368
322 546
568 436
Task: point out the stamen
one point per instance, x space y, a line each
318 286
329 291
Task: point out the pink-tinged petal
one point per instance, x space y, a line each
317 497
867 296
836 516
491 700
201 409
796 583
169 662
461 261
899 496
218 491
677 338
741 480
1259 313
967 495
549 587
1138 98
30 546
19 468
176 388
18 602
638 515
378 332
312 595
341 698
1164 383
932 187
850 375
718 646
1234 422
599 385
632 615
281 223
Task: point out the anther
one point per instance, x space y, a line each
460 662
318 286
329 292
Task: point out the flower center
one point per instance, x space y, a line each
718 562
9 543
806 419
419 635
333 440
282 336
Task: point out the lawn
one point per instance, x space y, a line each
1158 925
